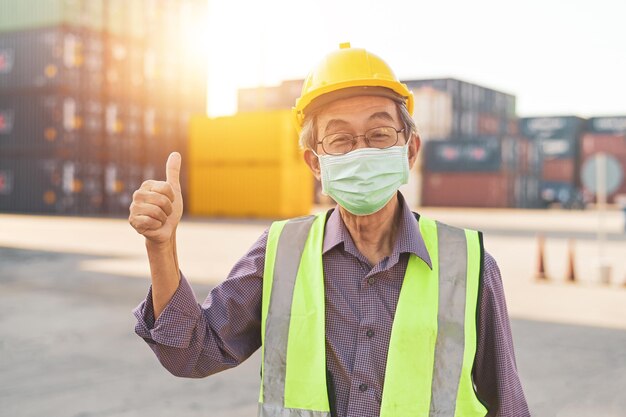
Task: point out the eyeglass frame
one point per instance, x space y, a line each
364 136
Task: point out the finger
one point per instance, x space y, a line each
147 184
172 170
150 210
163 188
152 197
142 223
159 200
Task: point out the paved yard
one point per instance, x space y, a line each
67 287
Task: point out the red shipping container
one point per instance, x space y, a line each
611 144
561 170
488 124
463 189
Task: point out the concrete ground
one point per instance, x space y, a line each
67 286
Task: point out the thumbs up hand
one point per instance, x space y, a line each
157 206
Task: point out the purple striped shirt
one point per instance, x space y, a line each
193 340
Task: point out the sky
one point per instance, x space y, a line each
555 56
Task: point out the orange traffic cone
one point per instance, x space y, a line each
541 267
571 270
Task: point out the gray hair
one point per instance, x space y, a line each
309 126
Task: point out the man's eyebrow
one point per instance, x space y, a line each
332 123
382 115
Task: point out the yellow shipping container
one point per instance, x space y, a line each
254 137
248 165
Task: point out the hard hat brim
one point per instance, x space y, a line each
350 92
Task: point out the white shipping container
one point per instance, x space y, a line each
433 113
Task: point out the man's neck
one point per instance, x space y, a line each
374 235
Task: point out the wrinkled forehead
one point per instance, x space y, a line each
358 111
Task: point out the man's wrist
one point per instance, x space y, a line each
159 247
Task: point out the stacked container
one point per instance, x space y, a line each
248 165
447 108
557 165
50 113
606 135
469 173
469 151
93 96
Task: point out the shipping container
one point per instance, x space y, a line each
248 165
448 108
556 127
559 170
120 182
433 114
489 124
607 124
453 155
528 157
248 191
278 97
470 96
49 122
558 146
124 132
557 137
51 58
29 14
256 138
161 75
162 136
49 185
563 194
526 192
467 189
611 144
106 87
124 69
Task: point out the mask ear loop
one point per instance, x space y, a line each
406 145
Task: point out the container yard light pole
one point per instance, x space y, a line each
602 175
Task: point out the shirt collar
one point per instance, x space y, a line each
408 240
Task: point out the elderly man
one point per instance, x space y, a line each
367 310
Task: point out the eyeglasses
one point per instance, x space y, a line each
342 143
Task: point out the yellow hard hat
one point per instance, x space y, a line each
349 68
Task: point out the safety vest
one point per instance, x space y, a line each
433 336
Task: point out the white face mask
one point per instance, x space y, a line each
363 181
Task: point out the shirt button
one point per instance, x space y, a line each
363 387
371 280
370 333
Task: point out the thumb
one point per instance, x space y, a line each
172 170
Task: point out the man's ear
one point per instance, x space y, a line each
414 148
313 162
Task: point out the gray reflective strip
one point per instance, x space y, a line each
268 410
288 254
450 344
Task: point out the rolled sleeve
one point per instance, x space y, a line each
193 340
175 325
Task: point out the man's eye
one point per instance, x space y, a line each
340 139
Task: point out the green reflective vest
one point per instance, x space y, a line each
433 336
